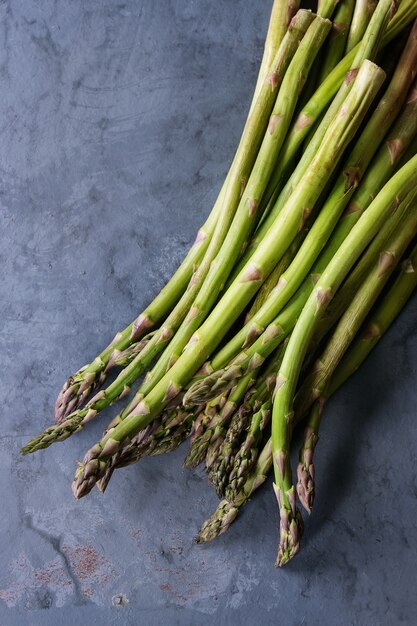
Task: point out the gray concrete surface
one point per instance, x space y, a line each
118 121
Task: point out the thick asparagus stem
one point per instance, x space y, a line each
273 279
360 236
79 386
339 88
308 117
360 20
352 172
376 37
326 8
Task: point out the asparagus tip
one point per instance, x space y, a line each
306 485
291 530
218 522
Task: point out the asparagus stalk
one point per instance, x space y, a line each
281 15
314 387
326 8
360 236
376 37
387 159
380 321
239 170
245 286
403 226
273 279
347 182
79 386
338 38
361 16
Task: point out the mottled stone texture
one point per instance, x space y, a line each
118 121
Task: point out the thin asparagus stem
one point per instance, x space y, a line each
363 12
379 322
338 38
403 227
281 15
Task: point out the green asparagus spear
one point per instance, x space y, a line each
360 236
281 15
380 321
361 16
403 227
338 38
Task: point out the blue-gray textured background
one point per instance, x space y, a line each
118 121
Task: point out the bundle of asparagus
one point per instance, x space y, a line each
307 257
